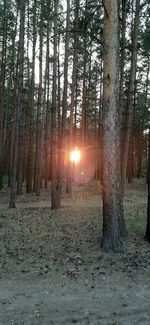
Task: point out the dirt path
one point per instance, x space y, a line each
52 270
108 301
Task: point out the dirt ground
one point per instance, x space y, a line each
53 271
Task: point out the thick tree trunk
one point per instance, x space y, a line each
111 177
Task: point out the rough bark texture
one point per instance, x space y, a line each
111 177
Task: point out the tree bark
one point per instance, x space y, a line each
129 104
2 87
18 105
73 94
38 154
141 132
55 195
84 87
147 235
29 176
111 176
64 103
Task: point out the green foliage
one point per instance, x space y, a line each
146 37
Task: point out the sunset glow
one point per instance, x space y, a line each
75 155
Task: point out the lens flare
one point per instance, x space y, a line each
75 155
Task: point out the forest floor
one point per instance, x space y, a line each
53 271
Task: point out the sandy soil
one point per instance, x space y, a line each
53 271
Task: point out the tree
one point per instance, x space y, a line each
147 235
38 155
111 177
64 101
129 104
19 103
73 92
55 195
31 109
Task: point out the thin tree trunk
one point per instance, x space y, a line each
129 105
73 95
84 91
64 101
18 105
130 161
55 195
29 177
147 235
141 136
38 154
122 60
2 87
47 140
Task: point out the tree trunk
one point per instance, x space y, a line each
2 87
141 132
111 176
64 101
73 94
129 105
84 91
147 235
122 59
47 136
130 161
18 105
38 154
29 176
55 195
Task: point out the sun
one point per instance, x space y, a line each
75 155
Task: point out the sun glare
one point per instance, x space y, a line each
75 155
